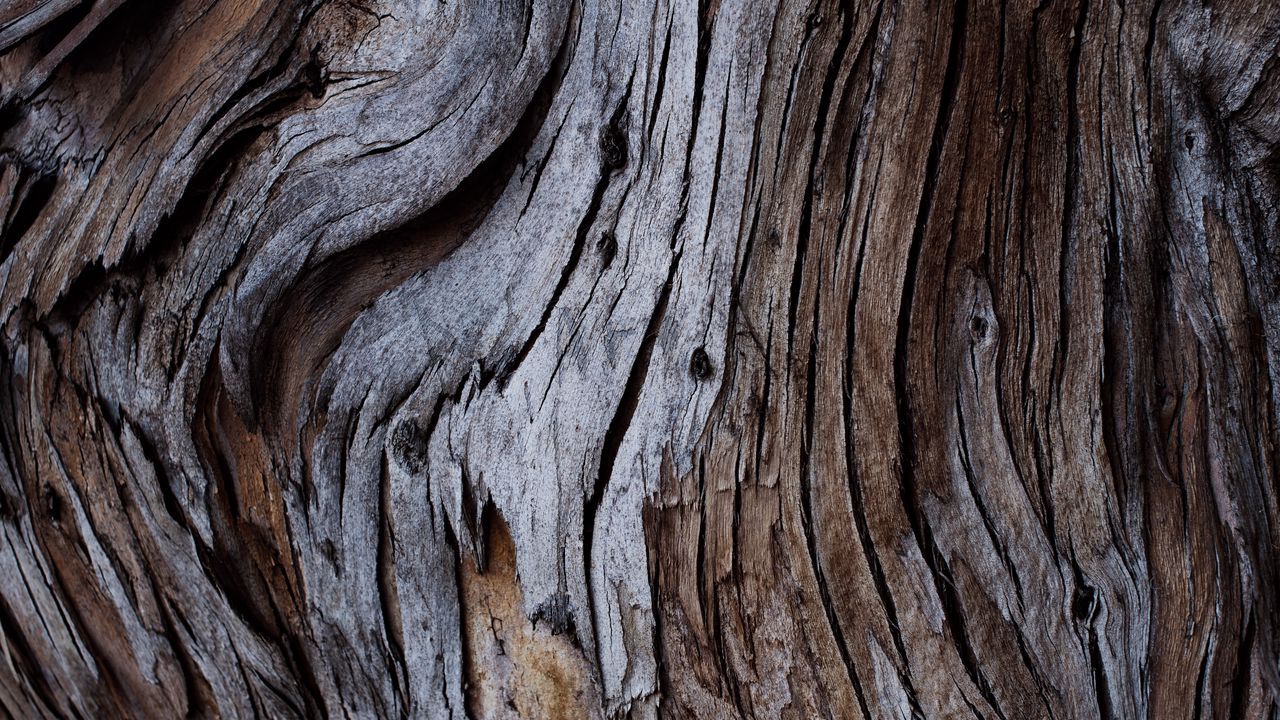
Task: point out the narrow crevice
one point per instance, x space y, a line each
195 688
611 155
877 571
1085 607
966 463
906 432
1202 679
807 499
1071 182
814 175
168 497
1100 677
38 190
617 429
22 659
1242 677
288 93
388 594
954 611
466 653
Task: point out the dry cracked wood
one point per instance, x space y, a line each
735 358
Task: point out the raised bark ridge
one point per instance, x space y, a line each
739 358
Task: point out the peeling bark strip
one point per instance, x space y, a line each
486 359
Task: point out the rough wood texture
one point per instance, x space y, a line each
733 358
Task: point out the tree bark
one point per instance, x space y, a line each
735 358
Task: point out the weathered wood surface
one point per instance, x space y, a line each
800 359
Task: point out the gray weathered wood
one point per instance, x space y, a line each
732 358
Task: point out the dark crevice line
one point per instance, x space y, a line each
653 522
542 165
762 409
861 60
1036 675
807 498
785 114
192 680
701 60
1115 330
1153 22
388 596
1044 508
1202 679
281 694
661 83
954 611
857 504
254 701
927 194
712 615
906 434
1070 187
504 373
23 656
715 175
727 670
821 120
1242 676
1085 606
873 560
971 478
754 165
901 386
289 93
1100 677
706 601
454 550
732 331
36 192
608 238
617 430
969 704
163 482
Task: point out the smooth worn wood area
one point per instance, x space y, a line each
731 358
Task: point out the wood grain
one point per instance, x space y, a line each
367 358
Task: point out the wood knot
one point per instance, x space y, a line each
52 504
607 246
314 75
555 612
978 326
330 552
700 365
613 147
1084 602
775 238
409 443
